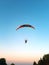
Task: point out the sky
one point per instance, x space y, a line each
14 13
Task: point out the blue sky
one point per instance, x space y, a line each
16 12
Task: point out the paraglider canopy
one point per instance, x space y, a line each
25 25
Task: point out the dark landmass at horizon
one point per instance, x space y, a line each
42 61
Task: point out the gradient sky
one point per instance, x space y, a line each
16 12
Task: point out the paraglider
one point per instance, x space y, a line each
25 25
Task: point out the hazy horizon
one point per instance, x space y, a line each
22 63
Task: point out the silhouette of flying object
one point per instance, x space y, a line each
25 25
25 41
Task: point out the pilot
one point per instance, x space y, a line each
25 41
